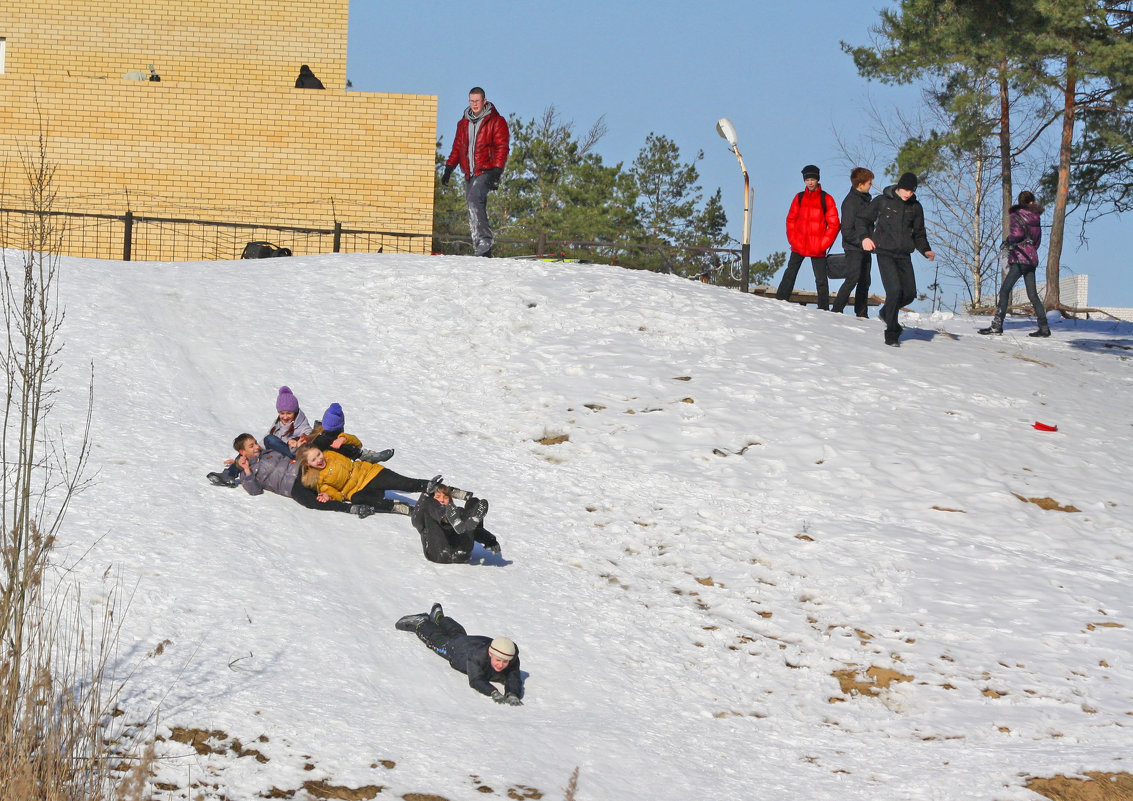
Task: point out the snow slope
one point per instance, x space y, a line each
756 506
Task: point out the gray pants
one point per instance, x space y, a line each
476 194
1014 272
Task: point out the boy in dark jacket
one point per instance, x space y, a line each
859 264
894 228
482 659
329 434
448 531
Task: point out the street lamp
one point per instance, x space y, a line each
725 128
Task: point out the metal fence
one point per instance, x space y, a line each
136 237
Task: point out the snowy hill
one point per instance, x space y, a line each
748 551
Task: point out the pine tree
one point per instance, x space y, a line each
556 187
1079 50
667 199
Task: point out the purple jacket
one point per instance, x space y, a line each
298 426
276 473
271 471
1026 235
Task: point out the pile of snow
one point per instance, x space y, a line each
748 550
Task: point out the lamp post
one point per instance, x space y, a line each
725 128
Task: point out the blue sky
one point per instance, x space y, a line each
674 68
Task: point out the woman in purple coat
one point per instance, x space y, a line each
1022 260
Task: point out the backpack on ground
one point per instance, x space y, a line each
263 250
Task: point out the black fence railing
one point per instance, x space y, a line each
136 237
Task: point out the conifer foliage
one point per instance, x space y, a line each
557 190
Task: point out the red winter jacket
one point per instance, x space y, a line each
491 143
809 232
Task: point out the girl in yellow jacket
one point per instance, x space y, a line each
338 478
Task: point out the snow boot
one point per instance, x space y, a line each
474 512
375 456
454 516
1043 331
996 326
893 338
410 622
400 508
222 480
362 510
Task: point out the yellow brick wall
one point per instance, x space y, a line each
254 42
234 142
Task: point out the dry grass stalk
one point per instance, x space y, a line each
54 698
572 785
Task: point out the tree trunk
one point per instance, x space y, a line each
978 233
1053 298
1005 147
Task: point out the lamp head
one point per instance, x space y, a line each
725 128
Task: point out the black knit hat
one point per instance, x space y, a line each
810 171
907 181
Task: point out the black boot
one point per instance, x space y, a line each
996 326
410 622
1043 331
225 480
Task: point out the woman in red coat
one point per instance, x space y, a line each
812 227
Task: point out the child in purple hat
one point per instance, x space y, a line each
290 429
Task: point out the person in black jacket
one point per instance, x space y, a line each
859 264
894 227
448 531
328 435
482 659
307 79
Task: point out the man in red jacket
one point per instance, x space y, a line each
812 227
480 148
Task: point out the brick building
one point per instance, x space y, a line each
223 135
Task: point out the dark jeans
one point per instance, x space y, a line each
1009 281
859 265
821 283
274 443
900 287
374 493
438 637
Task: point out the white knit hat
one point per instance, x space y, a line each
502 648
